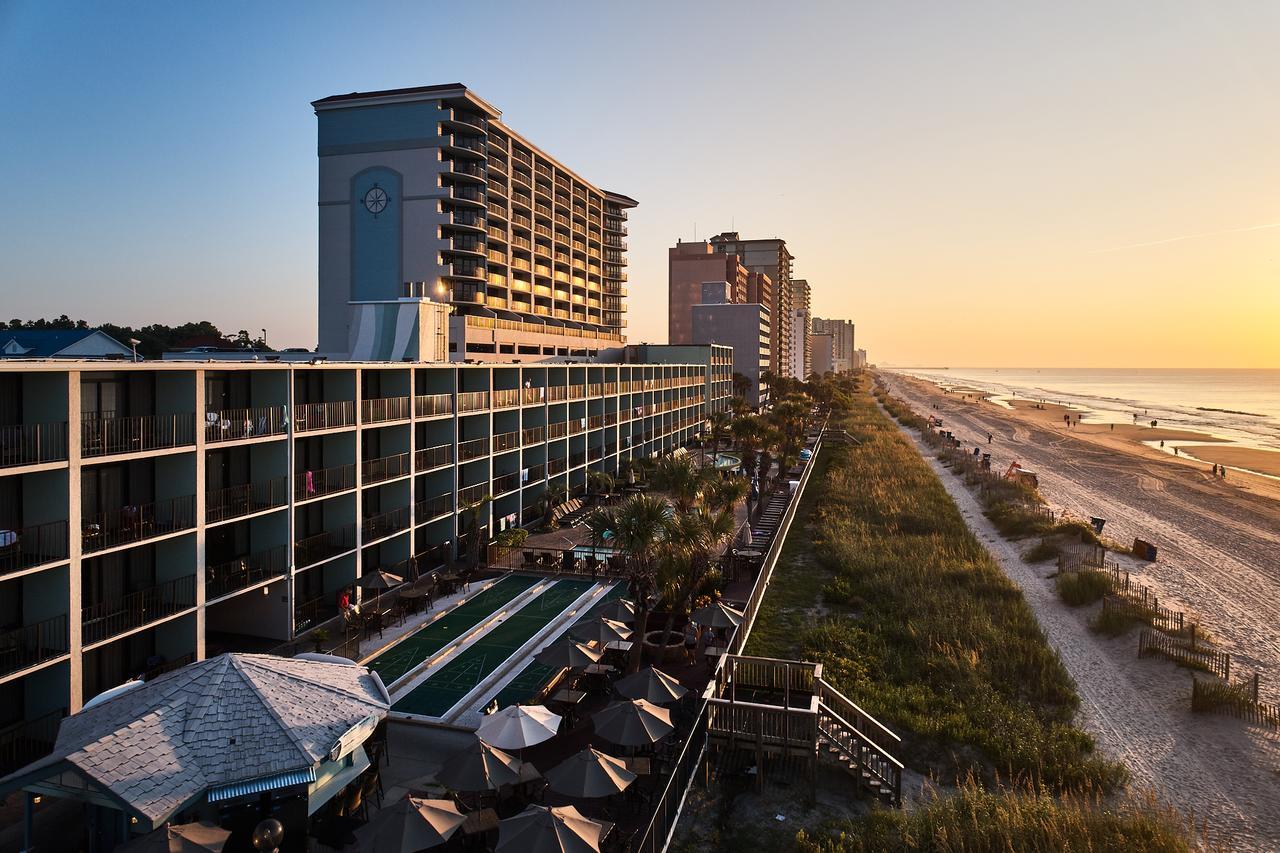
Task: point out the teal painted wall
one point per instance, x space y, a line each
376 238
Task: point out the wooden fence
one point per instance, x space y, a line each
1139 603
1235 700
1185 653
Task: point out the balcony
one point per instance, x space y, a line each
537 473
430 458
104 434
138 523
433 405
324 481
506 483
108 619
467 194
504 441
308 417
472 494
472 401
385 468
556 466
234 575
466 143
468 168
424 511
384 524
467 219
33 545
473 449
506 397
533 435
495 209
322 546
465 269
29 740
33 444
236 424
33 644
376 410
245 499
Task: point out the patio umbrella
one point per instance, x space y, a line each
479 767
180 838
717 616
518 726
621 610
410 824
380 580
633 722
539 829
568 654
652 685
590 774
602 630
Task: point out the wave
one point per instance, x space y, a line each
1229 412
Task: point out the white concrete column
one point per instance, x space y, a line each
75 602
201 495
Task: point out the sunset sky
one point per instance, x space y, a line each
981 184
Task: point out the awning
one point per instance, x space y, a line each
266 783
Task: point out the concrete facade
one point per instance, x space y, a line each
771 258
689 265
842 342
822 361
745 328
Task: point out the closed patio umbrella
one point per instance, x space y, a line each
518 726
539 829
180 838
479 767
621 610
652 685
570 654
409 825
633 722
717 616
601 630
590 774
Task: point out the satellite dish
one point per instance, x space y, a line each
268 835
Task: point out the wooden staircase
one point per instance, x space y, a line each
853 740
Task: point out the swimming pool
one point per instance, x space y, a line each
446 686
727 460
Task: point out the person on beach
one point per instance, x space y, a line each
1113 427
989 437
1222 471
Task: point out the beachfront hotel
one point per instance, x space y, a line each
771 258
155 513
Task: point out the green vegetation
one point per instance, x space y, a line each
157 338
1086 587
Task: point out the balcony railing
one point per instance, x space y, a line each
110 618
31 444
24 547
533 435
232 575
536 474
380 409
32 644
312 549
504 397
324 481
471 401
556 466
245 499
428 458
29 740
424 511
557 430
235 424
472 494
473 449
314 416
385 468
506 483
505 441
103 433
138 522
533 395
311 613
385 524
432 405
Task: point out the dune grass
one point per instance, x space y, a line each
1077 589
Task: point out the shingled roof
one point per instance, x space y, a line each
229 719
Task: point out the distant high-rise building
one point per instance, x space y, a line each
841 331
821 343
770 257
859 358
425 194
801 355
689 266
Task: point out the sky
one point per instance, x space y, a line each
973 184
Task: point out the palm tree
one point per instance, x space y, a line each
746 432
600 483
639 527
552 497
694 541
680 478
475 515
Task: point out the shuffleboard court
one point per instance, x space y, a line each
535 675
442 690
401 658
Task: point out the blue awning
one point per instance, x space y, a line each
266 783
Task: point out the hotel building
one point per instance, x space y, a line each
689 266
771 258
843 354
801 355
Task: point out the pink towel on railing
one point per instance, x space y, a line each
311 483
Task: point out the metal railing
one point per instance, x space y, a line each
506 483
504 397
138 522
232 575
472 494
32 444
505 441
428 458
432 405
29 546
107 619
31 644
533 435
425 510
473 449
471 401
104 434
314 549
313 416
309 614
384 524
377 410
385 468
29 740
245 499
309 484
235 424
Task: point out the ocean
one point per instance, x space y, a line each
1241 405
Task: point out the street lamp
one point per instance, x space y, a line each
133 345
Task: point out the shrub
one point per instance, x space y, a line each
1045 549
1080 588
1112 623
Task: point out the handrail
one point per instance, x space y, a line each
860 714
32 444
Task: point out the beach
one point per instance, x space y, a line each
1219 561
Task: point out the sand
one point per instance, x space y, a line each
1219 560
1259 461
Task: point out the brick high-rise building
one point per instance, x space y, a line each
689 266
770 257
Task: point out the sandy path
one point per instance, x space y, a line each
1217 561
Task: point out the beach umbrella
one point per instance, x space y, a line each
621 610
479 767
652 685
180 838
717 616
409 825
518 726
602 630
539 829
380 580
590 774
568 654
633 722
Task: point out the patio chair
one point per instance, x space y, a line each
530 560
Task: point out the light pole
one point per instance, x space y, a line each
133 345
